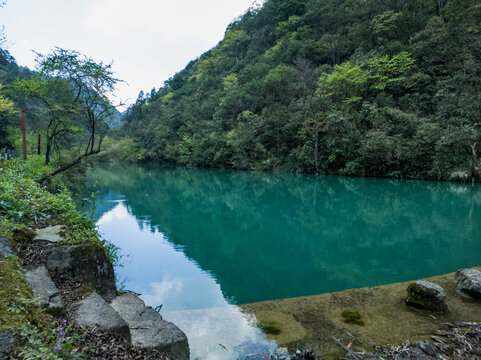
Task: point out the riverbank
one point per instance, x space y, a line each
313 322
58 296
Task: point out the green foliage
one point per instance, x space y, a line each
55 342
23 200
67 104
386 70
344 83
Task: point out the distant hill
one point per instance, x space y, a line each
117 119
352 87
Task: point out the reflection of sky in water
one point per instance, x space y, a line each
191 297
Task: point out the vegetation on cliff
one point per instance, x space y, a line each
25 203
352 87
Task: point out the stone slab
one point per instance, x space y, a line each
50 233
149 330
93 312
44 290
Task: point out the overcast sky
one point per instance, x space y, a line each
147 40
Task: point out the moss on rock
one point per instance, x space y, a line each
352 317
426 298
17 307
22 237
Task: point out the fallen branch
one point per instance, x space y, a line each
65 167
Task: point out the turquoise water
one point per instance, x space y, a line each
203 239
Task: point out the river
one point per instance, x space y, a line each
200 241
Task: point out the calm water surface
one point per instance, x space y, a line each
199 241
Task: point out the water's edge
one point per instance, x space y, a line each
310 322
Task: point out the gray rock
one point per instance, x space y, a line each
426 295
59 259
87 262
5 248
468 283
149 330
44 290
93 312
6 343
50 233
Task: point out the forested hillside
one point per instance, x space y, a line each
352 87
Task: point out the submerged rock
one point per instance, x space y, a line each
94 312
44 290
50 233
87 262
149 330
468 283
426 295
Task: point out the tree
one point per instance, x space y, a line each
75 90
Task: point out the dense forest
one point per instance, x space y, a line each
351 87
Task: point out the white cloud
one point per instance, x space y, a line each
161 291
206 329
169 21
148 40
119 212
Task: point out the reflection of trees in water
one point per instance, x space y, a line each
281 235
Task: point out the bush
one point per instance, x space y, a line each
24 201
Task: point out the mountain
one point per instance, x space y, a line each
352 87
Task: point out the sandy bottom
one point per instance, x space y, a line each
310 322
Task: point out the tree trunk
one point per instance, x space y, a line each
474 161
48 149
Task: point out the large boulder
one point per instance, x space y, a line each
44 290
468 283
149 330
426 295
93 312
87 262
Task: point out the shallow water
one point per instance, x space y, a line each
199 240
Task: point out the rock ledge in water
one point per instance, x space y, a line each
149 330
426 295
468 283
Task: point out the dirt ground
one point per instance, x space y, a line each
316 322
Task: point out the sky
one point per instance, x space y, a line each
148 41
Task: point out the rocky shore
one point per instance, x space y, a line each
75 285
